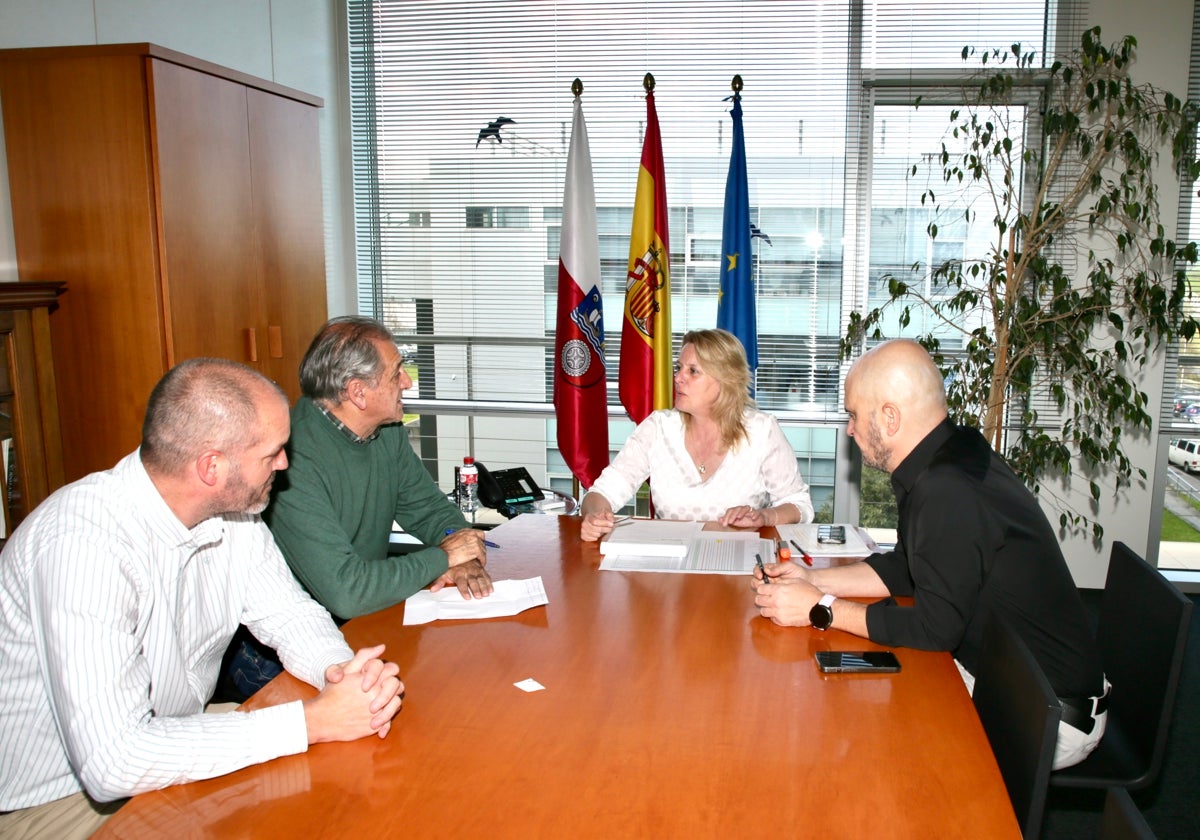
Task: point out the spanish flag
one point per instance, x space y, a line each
645 370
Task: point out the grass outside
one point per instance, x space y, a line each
1175 529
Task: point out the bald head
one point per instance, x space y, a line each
204 404
895 396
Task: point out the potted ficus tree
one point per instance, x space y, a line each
1042 332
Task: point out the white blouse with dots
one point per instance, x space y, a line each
761 472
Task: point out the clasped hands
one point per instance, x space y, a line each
789 597
347 708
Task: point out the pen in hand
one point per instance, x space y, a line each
488 543
758 562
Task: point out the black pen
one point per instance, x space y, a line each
758 562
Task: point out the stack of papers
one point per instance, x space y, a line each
806 537
650 538
654 545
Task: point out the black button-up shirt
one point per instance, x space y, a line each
973 538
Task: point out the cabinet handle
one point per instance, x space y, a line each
275 342
251 345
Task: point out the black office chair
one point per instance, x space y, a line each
1020 714
1142 633
1122 820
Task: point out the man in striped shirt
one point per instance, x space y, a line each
120 593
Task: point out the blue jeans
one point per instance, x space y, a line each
251 665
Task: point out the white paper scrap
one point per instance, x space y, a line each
530 685
508 597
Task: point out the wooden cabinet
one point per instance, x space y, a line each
181 203
31 466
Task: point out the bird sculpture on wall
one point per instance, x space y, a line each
491 131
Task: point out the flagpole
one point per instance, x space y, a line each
644 378
736 299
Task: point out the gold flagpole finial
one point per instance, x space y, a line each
576 87
648 83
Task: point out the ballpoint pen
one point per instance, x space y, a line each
785 553
803 553
488 543
758 562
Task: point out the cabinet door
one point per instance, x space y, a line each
83 205
209 246
285 161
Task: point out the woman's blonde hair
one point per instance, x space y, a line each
724 359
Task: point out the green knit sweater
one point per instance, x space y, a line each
332 512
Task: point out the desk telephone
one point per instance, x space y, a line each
514 486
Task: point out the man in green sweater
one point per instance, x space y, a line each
352 471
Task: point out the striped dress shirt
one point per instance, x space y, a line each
114 618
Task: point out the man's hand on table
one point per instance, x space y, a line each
360 698
471 578
789 596
464 546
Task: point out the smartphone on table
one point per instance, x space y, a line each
857 662
831 534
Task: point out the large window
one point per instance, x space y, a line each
462 118
1179 545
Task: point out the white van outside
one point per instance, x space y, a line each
1185 453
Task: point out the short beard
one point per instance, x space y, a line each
880 453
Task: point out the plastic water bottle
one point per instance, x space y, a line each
468 490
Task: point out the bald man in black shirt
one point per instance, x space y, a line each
972 539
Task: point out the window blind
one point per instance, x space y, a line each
1181 381
461 120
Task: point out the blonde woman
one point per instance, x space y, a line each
714 456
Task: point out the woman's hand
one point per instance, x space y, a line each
744 516
597 517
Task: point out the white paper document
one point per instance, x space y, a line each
806 536
708 552
650 538
508 597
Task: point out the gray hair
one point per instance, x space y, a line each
200 405
342 350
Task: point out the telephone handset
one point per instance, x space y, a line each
514 486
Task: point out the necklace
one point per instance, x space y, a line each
703 469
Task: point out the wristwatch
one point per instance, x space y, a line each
821 616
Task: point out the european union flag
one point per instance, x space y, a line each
735 303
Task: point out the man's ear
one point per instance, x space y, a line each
356 393
210 467
891 418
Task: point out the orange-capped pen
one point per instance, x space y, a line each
803 553
785 553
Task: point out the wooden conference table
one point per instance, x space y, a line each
670 709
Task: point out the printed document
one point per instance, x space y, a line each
805 536
508 597
708 552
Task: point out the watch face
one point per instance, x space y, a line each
820 616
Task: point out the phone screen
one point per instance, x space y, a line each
835 534
857 662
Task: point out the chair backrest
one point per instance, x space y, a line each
1142 634
1122 820
1020 714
